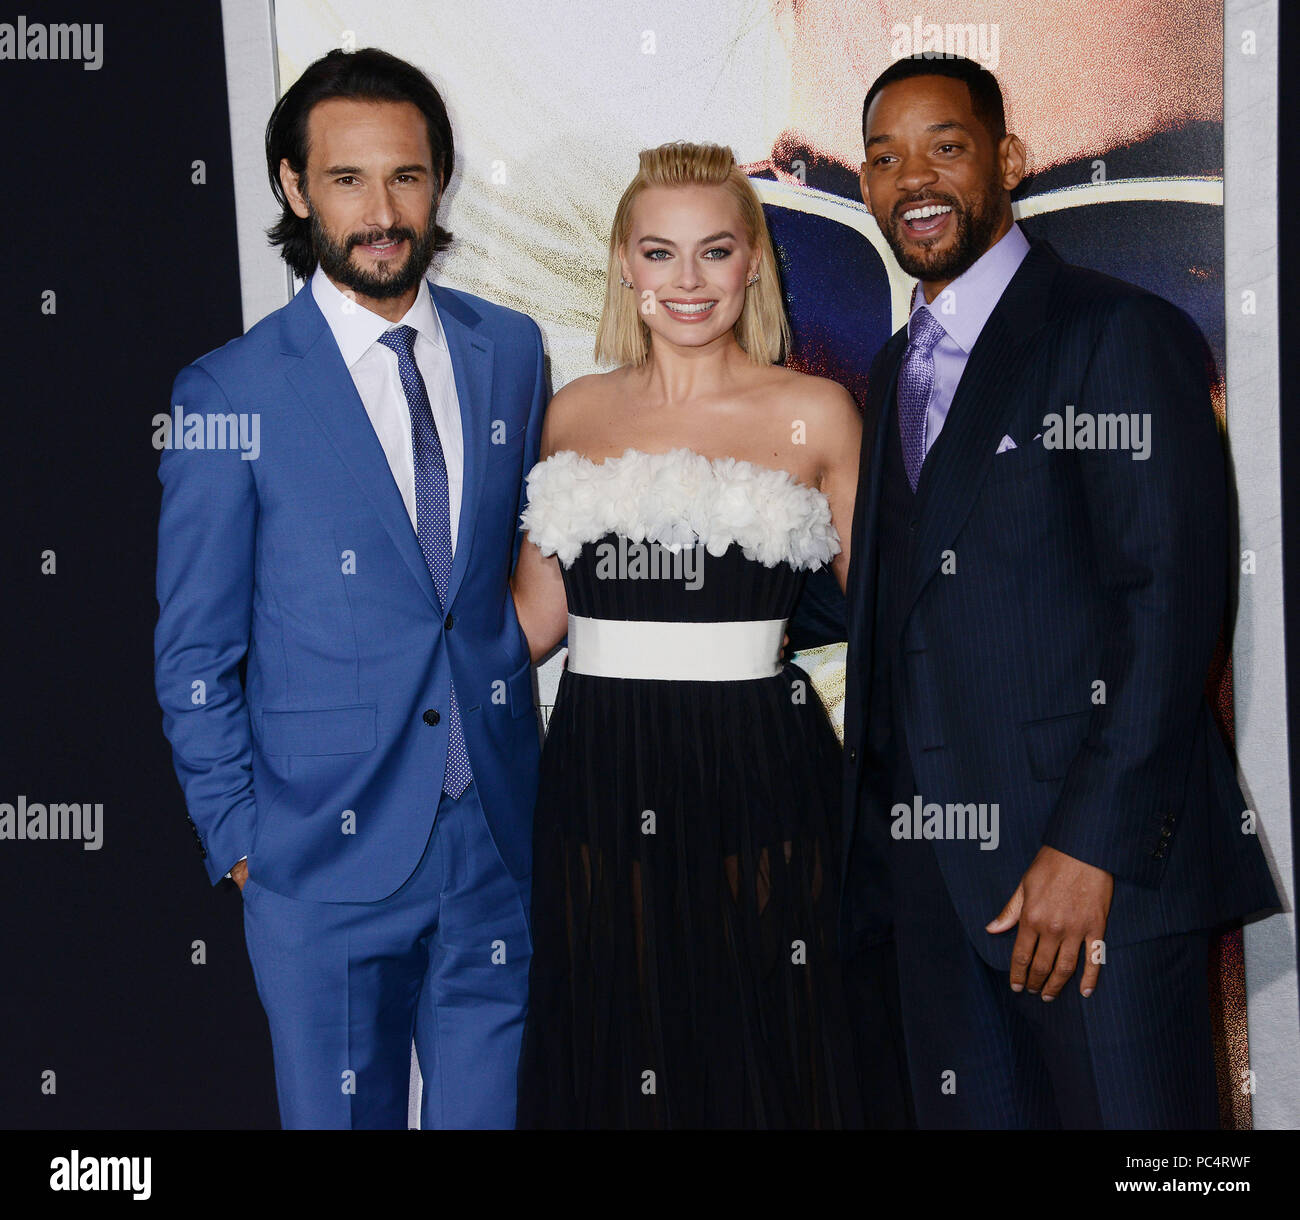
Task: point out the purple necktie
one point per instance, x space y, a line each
433 523
915 382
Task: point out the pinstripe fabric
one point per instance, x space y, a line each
1069 568
1136 1055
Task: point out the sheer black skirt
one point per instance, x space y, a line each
685 901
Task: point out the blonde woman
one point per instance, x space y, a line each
686 867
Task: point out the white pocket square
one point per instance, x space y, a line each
1005 444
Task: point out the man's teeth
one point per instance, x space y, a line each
682 308
936 209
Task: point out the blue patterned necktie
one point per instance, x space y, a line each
433 523
915 382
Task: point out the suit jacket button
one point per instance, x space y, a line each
431 717
853 756
449 622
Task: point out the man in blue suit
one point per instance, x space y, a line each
368 780
1037 795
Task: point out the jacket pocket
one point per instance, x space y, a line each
1020 463
1052 743
333 730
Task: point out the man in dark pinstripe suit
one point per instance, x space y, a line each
1037 796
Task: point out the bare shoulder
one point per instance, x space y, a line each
571 408
824 405
822 394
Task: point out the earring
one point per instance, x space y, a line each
625 283
753 279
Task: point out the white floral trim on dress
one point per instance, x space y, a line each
677 499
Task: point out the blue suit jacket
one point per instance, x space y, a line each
302 568
1072 567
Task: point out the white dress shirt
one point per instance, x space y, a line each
374 372
373 368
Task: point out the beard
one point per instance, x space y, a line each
976 220
335 257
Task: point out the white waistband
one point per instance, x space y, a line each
685 652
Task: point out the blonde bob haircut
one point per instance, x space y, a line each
762 329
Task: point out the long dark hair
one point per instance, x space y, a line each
366 75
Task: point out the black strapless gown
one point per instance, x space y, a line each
686 869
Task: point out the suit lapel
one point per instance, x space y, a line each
324 386
959 460
472 357
866 524
861 584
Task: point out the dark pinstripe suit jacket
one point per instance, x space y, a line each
1072 567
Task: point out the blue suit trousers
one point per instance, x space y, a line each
443 960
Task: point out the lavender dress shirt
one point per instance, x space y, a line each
962 309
